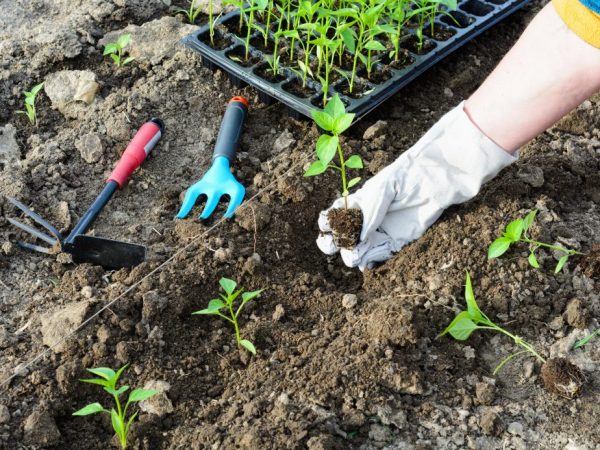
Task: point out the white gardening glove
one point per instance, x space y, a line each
448 165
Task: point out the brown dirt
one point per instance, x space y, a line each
295 87
562 377
440 33
590 263
346 225
345 360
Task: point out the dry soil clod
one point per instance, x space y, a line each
346 225
562 377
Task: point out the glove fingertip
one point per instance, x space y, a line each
326 244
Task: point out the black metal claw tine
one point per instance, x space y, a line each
37 248
39 220
38 234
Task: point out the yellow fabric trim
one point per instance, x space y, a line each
584 22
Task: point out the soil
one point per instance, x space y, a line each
360 88
562 377
346 225
440 33
412 43
345 359
220 41
264 71
590 263
295 87
380 75
238 54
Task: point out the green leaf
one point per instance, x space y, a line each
213 307
96 381
117 424
514 230
561 263
316 168
129 422
116 59
36 89
353 182
118 392
499 247
247 296
323 120
128 60
138 395
586 339
533 261
227 285
119 373
326 148
110 48
461 327
472 307
123 40
248 346
92 408
349 40
341 124
335 108
354 162
529 220
374 45
103 372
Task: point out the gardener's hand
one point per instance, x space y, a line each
448 165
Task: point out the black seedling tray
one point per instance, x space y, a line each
473 17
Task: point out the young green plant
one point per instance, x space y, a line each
30 98
121 423
334 120
474 319
517 231
580 343
192 13
226 302
116 50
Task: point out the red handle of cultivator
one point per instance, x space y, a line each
136 152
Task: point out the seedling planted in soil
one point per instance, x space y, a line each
580 343
30 97
558 374
334 120
517 231
226 302
108 378
192 13
116 50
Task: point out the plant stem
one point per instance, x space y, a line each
517 340
235 324
553 247
210 22
343 172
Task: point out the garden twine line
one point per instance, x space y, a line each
23 366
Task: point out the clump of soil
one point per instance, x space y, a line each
360 88
380 75
238 55
440 32
346 225
220 40
264 71
562 377
412 44
590 263
295 87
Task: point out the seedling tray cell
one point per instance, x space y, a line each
471 18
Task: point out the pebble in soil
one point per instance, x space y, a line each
346 225
562 377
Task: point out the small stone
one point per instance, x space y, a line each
122 351
61 321
448 92
485 393
160 404
489 422
349 301
67 87
253 217
283 399
515 428
532 175
576 314
152 305
375 130
221 254
87 292
283 142
4 414
40 429
8 248
90 148
279 313
103 334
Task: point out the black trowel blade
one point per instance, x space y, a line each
107 253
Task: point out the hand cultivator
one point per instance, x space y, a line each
219 180
108 253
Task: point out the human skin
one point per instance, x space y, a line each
548 72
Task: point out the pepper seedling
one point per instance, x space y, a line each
580 343
226 302
192 13
108 378
115 50
517 231
474 319
334 120
30 97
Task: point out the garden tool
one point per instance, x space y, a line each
108 253
219 180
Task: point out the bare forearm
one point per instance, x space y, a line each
548 73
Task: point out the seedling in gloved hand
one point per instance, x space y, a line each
108 378
115 50
559 375
516 231
333 119
30 97
226 302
